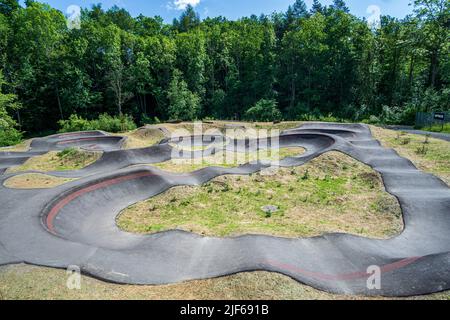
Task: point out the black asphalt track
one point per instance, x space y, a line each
74 224
89 140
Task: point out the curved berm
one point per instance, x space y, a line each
74 224
88 140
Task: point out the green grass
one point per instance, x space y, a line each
26 282
331 194
428 154
68 159
437 128
35 181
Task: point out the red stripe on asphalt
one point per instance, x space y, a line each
346 276
62 203
76 140
317 275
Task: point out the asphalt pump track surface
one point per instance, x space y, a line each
75 223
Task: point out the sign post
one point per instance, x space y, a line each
440 116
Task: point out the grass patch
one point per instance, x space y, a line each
428 154
222 126
278 126
227 159
68 159
438 128
26 282
142 138
332 193
35 181
21 147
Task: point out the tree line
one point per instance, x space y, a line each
305 63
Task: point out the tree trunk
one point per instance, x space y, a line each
394 77
293 87
119 96
144 98
19 120
59 104
434 68
411 72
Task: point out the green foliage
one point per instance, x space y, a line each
9 135
265 111
189 20
69 152
433 100
115 124
184 105
105 122
390 115
74 124
8 6
148 120
372 120
318 64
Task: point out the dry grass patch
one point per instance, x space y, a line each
35 181
142 138
21 147
191 127
333 193
432 157
222 126
69 159
278 126
36 283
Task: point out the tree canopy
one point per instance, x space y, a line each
300 64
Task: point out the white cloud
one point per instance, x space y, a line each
374 20
182 4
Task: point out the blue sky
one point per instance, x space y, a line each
232 9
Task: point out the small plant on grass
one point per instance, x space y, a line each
422 150
73 158
306 175
400 134
66 153
405 141
269 210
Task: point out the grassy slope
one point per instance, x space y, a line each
70 159
332 193
438 128
21 147
29 282
141 138
435 159
34 181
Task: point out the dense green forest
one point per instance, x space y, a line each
305 63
